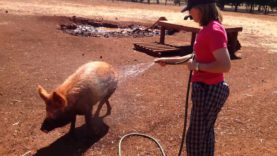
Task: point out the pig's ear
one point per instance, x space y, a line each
59 99
43 93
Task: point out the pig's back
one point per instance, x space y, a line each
98 78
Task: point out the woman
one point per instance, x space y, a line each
209 91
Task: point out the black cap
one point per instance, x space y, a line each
192 3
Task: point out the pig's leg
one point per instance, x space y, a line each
105 100
97 113
72 126
109 108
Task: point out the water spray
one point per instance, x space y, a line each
134 71
131 71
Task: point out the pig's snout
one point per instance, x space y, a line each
44 130
47 126
50 124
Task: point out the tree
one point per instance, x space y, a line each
273 4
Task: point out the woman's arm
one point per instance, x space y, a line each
221 64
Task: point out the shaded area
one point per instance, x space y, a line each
76 145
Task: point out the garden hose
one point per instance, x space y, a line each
143 135
186 114
180 62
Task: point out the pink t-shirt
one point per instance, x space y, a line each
210 38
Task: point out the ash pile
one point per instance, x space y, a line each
92 28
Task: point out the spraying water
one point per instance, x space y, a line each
131 71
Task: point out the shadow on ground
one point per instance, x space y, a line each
75 146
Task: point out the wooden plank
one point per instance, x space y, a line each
165 51
190 26
185 26
234 29
147 51
156 46
158 50
162 35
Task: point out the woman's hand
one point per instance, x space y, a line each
191 64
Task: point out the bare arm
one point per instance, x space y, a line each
221 64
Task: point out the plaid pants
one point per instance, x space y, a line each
207 102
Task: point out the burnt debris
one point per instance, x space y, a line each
100 28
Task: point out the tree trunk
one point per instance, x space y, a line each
252 8
236 8
177 2
266 10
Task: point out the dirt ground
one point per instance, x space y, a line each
34 51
